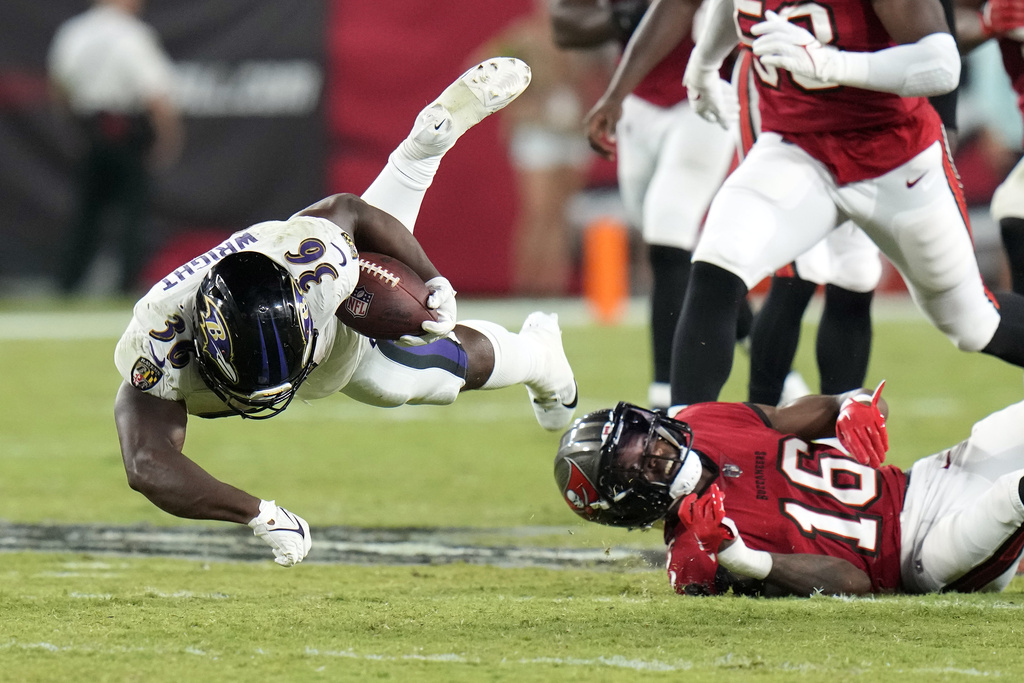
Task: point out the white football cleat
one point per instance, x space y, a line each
554 397
486 88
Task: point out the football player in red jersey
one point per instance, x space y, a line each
847 134
759 499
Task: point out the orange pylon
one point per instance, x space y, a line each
606 268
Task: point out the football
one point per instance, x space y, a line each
389 301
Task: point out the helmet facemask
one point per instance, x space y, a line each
624 467
647 462
254 338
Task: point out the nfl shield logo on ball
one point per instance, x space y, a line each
358 303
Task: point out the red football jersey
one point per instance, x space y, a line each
1013 61
663 85
794 103
858 134
788 496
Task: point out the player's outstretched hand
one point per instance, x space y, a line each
286 533
1004 18
861 428
442 300
703 518
790 47
711 97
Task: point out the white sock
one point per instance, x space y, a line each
517 359
419 166
400 187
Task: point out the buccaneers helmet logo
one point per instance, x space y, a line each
580 493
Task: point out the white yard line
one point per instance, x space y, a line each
727 663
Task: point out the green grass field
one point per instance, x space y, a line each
480 463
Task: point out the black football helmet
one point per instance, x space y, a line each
254 334
617 466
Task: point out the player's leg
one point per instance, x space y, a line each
1008 211
843 346
640 133
844 334
772 380
684 160
133 189
534 358
482 355
772 208
963 511
923 229
775 335
481 91
391 375
93 196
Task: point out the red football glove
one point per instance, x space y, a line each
1002 16
861 429
703 518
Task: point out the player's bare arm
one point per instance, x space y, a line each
979 20
152 435
783 573
814 417
373 230
803 575
663 26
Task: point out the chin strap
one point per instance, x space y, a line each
687 477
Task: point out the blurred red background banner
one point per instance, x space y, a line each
284 102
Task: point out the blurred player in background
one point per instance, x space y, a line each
847 135
670 161
546 148
250 325
753 500
1002 20
108 70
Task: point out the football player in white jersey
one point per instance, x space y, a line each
250 325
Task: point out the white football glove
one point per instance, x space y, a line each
286 533
442 300
790 47
711 97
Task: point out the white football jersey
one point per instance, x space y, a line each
156 352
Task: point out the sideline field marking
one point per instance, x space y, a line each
107 324
333 545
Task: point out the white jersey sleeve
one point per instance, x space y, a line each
156 352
